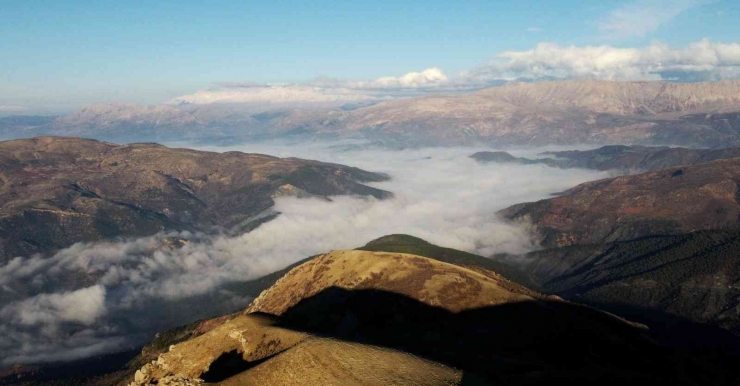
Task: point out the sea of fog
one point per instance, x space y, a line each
133 289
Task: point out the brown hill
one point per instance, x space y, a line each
56 191
376 318
665 202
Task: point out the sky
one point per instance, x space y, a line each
57 56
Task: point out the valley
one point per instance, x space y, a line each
620 251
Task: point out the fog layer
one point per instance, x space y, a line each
101 297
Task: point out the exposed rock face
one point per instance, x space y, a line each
253 337
664 202
55 191
558 112
617 157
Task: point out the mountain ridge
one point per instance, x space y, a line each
629 159
670 201
540 113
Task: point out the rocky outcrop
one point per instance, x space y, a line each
246 338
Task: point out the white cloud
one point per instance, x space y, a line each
431 77
318 91
703 60
83 306
643 16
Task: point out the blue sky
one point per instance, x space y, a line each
59 55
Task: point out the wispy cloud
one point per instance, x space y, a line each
643 16
534 29
320 90
11 109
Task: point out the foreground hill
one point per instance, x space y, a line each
342 356
377 318
616 157
57 191
541 113
665 202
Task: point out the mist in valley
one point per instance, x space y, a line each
134 288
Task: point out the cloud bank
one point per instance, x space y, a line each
703 60
99 297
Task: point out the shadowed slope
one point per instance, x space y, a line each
692 276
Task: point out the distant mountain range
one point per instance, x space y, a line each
552 112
